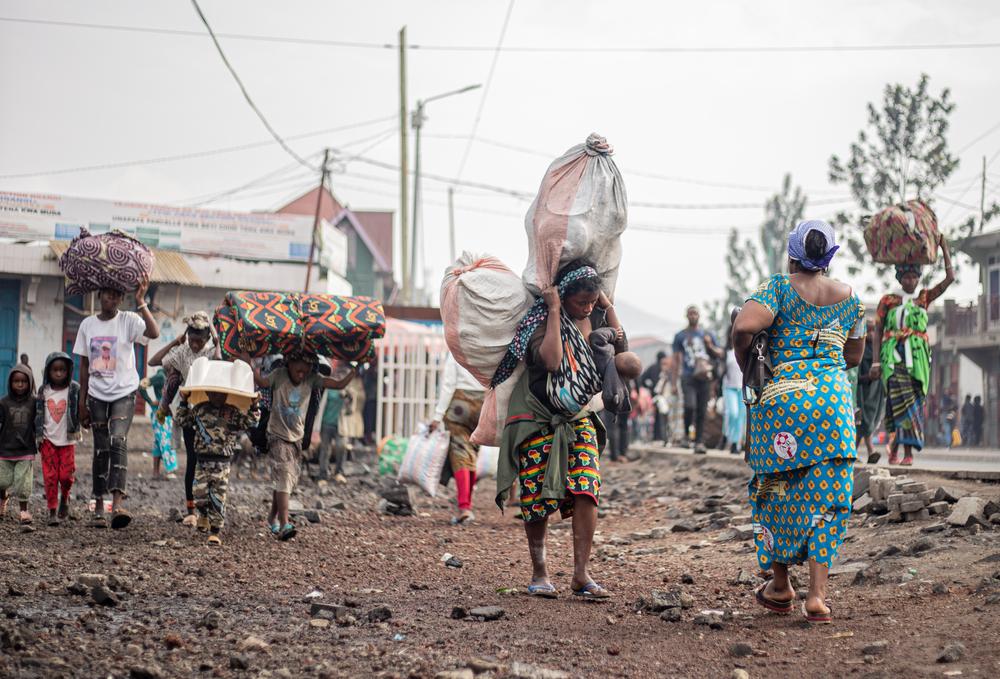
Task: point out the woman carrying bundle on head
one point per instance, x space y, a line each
903 356
551 441
802 434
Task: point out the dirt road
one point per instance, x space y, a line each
185 609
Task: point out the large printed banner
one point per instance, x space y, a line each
244 235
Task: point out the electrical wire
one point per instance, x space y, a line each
246 95
673 49
486 90
629 171
215 195
193 154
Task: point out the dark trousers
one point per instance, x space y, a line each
695 405
617 434
190 464
659 426
110 423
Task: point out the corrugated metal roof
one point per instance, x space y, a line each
169 266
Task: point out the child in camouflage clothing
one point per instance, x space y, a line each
220 416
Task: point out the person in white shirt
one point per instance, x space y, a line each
108 383
459 404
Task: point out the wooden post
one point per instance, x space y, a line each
319 203
403 170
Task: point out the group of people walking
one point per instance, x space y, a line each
801 439
214 418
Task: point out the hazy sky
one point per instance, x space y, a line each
77 96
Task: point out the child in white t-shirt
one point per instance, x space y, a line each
108 382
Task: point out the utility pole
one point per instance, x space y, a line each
403 170
319 203
418 120
982 198
451 222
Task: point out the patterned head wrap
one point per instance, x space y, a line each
197 321
797 244
536 315
903 269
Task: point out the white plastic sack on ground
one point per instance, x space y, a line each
493 416
486 466
580 211
482 301
425 456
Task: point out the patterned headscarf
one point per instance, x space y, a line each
903 269
197 321
536 315
797 244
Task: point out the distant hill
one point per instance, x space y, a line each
639 323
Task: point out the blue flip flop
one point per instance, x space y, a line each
545 591
592 592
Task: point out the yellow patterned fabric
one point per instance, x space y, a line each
806 414
802 514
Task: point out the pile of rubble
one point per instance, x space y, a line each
893 499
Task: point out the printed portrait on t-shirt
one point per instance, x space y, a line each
104 355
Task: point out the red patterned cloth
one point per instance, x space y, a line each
111 260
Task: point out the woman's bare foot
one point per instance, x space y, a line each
781 595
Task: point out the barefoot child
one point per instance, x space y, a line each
57 428
215 403
17 440
291 387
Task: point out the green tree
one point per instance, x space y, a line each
901 154
749 262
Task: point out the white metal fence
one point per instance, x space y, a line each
411 361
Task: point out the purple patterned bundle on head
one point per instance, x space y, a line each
797 244
110 260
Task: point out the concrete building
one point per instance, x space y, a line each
973 332
369 235
37 317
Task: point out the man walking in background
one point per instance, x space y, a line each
694 349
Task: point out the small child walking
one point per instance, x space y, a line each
215 403
163 427
17 441
292 386
58 427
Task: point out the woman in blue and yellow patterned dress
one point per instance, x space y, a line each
802 436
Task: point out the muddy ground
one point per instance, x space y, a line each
186 609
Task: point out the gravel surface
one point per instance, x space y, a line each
366 593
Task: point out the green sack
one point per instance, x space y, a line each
390 455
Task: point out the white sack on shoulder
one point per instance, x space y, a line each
482 301
581 210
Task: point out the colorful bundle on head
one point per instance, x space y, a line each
531 322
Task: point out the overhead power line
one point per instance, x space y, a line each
193 154
246 95
538 49
486 89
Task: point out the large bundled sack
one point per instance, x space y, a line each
903 234
423 461
263 323
580 211
110 260
482 302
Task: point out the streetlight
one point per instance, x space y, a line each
417 120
